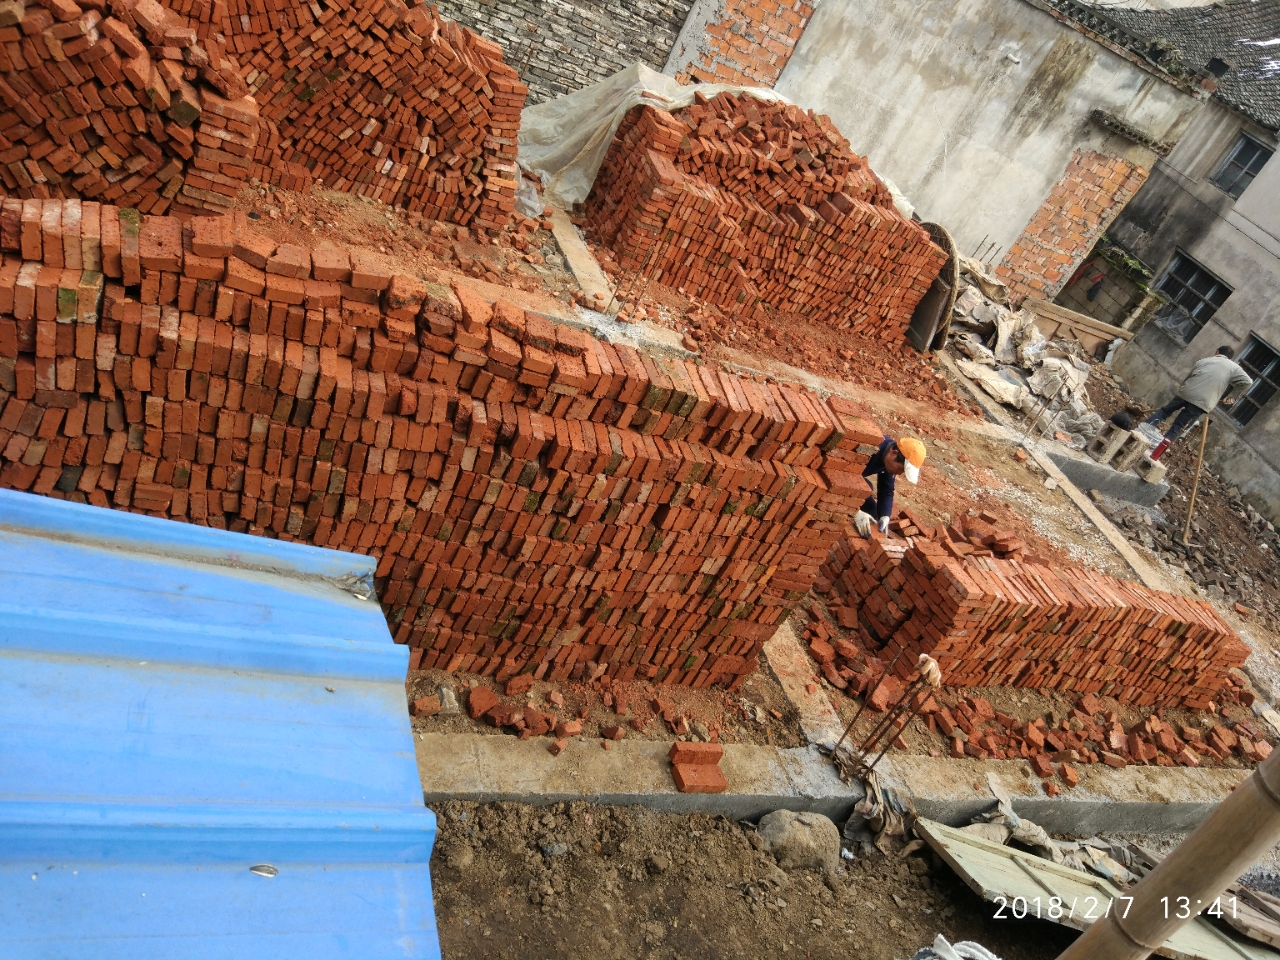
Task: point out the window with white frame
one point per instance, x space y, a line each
1262 363
1241 165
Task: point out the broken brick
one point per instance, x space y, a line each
480 701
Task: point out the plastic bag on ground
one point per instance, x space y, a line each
528 203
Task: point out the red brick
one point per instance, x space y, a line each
699 778
692 753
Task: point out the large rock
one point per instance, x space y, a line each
801 841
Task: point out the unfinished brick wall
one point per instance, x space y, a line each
992 622
120 103
538 500
384 99
1078 209
744 42
752 205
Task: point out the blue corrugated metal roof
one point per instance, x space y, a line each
180 704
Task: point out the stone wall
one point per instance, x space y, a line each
564 45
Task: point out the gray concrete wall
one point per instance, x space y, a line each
575 42
1239 242
973 107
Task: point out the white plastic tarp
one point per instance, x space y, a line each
564 141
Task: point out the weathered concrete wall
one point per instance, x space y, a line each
738 41
564 45
974 107
1239 241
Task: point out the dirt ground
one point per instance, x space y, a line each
594 882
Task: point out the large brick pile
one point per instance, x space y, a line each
120 102
383 99
743 202
538 499
992 622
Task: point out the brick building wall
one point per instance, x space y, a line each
739 41
564 45
1079 208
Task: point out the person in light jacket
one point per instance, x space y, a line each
1207 385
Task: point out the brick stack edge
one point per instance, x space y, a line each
991 622
144 105
538 500
746 203
384 99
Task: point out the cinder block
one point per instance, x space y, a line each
1134 448
1152 471
1107 443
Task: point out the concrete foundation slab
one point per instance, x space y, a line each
1136 799
1088 474
632 772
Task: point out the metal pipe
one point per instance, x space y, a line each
1195 484
866 698
1239 831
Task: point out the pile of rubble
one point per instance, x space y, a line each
752 205
1004 352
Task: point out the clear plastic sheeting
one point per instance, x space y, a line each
564 141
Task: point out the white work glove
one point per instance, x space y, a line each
862 523
884 524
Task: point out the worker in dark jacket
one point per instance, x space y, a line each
893 459
1207 385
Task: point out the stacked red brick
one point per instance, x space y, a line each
120 102
538 500
383 99
992 622
744 202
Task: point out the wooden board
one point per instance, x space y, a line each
1056 321
1257 914
1005 875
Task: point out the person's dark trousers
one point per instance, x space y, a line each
1188 413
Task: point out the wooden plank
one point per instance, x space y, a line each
1043 308
1000 874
